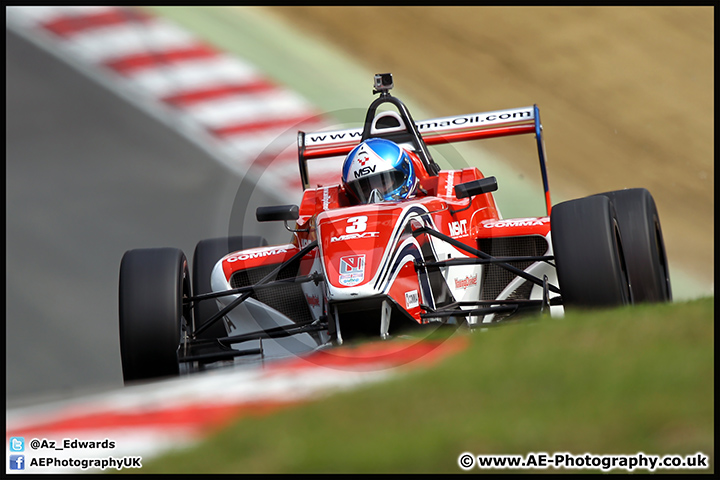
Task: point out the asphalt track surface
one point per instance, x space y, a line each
89 176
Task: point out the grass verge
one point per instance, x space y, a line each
636 379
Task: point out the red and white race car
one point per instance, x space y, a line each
397 244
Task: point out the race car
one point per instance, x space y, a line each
396 244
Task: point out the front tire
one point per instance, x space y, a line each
643 244
152 285
589 253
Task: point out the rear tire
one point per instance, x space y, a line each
589 253
207 253
152 285
643 244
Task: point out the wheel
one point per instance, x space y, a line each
207 253
643 244
589 253
153 283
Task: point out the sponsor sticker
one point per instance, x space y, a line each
352 270
251 255
353 236
367 165
326 198
313 300
458 229
464 283
449 184
515 222
412 299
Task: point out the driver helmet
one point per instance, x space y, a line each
379 170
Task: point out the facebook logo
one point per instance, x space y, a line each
17 444
17 462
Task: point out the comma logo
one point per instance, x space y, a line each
412 299
252 255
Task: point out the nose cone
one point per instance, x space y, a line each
353 243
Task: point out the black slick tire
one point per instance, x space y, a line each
152 285
589 253
643 244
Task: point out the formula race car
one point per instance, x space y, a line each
398 243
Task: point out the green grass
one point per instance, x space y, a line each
624 381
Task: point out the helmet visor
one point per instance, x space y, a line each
385 182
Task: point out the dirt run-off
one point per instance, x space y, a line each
626 93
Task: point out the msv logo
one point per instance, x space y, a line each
361 172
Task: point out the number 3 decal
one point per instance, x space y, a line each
356 224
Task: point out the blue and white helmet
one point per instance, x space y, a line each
379 170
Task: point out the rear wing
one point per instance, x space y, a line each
475 126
